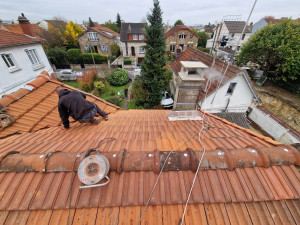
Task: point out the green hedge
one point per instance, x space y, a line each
127 61
99 59
75 56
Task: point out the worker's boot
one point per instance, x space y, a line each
96 121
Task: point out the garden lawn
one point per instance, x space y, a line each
109 89
72 83
132 105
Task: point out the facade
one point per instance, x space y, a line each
133 41
180 38
98 40
22 60
200 86
229 34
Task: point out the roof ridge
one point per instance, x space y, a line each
262 137
23 35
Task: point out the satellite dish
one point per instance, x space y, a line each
92 170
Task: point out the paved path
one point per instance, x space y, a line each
126 101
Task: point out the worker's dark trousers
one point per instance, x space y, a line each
90 116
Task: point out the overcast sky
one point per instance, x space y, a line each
189 11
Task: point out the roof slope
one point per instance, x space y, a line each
37 109
131 28
8 38
237 26
178 28
18 29
105 31
219 196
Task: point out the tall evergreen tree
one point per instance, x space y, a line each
118 22
91 23
153 71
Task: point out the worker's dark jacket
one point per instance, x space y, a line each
73 103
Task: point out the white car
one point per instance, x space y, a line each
166 100
69 74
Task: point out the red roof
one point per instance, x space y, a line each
191 54
178 28
18 29
8 38
247 193
105 31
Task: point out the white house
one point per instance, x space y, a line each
22 59
229 34
214 85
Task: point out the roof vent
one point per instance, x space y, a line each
92 170
185 115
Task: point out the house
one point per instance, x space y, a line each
22 58
133 41
98 40
230 34
36 30
244 178
217 86
180 37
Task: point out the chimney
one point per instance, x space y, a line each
26 26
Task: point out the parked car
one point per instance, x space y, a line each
69 74
166 100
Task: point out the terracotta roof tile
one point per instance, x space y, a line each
178 28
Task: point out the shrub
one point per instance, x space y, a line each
141 95
58 56
113 93
127 61
114 100
115 50
86 81
100 86
119 77
203 49
99 59
75 56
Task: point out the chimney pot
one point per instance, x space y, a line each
26 26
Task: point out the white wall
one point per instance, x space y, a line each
278 132
12 81
240 100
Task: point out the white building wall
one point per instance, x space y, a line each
12 81
278 132
44 25
240 100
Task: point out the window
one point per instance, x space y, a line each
93 36
142 49
182 36
173 36
103 48
86 48
10 62
34 59
191 37
192 72
141 37
172 48
243 36
135 37
231 88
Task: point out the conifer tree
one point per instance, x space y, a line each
118 22
153 71
91 23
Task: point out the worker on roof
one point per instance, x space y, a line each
74 104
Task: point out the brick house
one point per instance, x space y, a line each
180 37
132 40
98 40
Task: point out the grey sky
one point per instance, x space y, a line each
190 11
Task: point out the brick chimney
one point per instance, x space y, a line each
26 26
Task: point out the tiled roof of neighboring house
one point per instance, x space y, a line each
8 38
37 109
105 31
178 28
237 118
131 28
18 29
226 49
208 30
248 194
192 54
237 26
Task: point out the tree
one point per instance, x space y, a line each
153 72
55 33
71 34
111 25
203 39
118 22
178 22
91 23
276 48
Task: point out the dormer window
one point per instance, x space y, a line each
192 72
135 37
141 37
173 37
93 36
191 37
182 36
